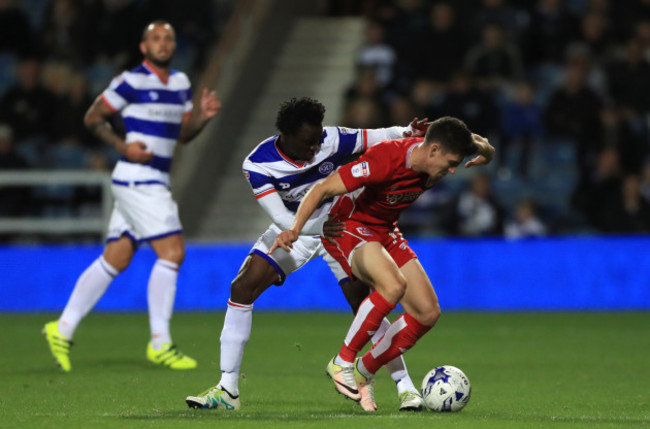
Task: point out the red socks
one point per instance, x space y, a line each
402 334
371 312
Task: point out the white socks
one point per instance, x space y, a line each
91 285
160 296
234 336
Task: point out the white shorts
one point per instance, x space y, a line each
143 213
304 250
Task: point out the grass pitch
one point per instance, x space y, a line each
539 370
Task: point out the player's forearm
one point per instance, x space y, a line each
382 134
485 149
103 130
307 206
191 128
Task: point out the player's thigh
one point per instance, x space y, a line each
373 265
420 299
285 263
170 248
118 253
255 276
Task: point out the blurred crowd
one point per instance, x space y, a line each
560 87
55 57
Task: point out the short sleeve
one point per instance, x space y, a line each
371 167
118 94
351 140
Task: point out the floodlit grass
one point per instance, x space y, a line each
528 370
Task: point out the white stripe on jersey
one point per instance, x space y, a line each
153 112
267 168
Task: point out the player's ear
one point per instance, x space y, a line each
143 48
434 148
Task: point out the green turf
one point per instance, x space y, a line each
541 370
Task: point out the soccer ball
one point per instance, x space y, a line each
446 388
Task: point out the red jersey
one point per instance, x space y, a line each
390 184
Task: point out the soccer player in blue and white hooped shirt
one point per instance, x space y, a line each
281 170
156 105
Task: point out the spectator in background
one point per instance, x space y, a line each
631 214
573 112
549 30
437 50
28 106
14 200
628 134
15 30
102 18
500 13
628 79
595 34
476 212
521 123
495 61
375 53
73 103
478 110
63 31
363 113
599 191
526 223
645 182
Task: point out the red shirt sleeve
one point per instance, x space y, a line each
372 167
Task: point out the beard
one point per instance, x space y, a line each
159 62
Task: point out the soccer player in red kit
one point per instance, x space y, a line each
371 248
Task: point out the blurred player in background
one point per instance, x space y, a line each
393 175
156 105
280 171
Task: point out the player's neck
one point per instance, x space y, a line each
161 72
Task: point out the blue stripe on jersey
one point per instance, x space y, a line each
161 163
347 142
152 128
293 205
258 180
126 91
314 174
266 152
161 96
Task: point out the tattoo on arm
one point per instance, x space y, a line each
103 131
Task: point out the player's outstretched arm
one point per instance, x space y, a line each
484 154
193 123
330 187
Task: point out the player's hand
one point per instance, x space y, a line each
485 152
417 128
284 240
210 104
332 228
137 152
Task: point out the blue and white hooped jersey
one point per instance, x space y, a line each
268 170
153 111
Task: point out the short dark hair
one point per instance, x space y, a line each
155 22
453 136
298 111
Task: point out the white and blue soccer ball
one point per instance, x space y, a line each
446 388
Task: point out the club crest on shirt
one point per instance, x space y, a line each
361 170
364 231
326 168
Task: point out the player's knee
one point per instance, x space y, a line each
242 291
430 316
175 254
394 289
